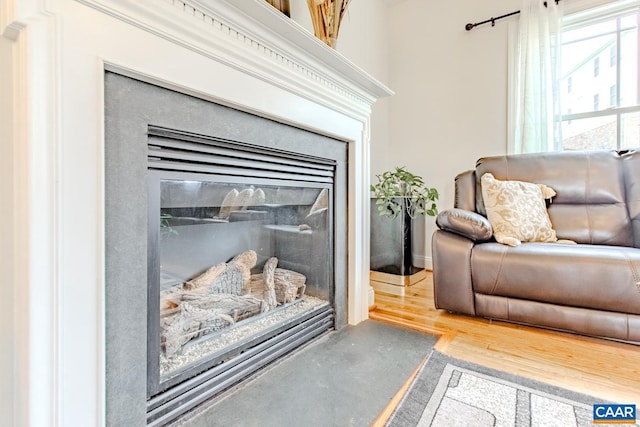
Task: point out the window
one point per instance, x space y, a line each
590 122
612 96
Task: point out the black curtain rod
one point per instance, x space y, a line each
470 26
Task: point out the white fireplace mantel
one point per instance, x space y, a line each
241 53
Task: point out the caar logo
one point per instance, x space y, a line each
614 414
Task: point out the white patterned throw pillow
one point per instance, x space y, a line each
517 211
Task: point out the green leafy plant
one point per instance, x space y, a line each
400 183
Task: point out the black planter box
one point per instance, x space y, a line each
391 242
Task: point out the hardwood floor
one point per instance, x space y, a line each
601 368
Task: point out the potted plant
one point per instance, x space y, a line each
400 197
401 190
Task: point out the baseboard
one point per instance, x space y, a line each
423 261
371 297
394 284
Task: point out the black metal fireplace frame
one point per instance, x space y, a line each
184 156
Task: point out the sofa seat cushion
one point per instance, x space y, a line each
590 276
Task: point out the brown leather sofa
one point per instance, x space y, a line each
591 288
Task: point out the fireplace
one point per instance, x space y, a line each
243 239
80 281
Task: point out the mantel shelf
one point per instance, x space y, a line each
287 29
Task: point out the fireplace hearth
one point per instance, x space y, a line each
227 229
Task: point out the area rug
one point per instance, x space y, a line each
346 378
450 392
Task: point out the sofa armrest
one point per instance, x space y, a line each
468 224
452 284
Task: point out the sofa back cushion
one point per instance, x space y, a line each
590 203
631 162
465 191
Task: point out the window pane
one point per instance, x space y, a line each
613 56
612 96
579 34
594 133
630 130
584 77
629 67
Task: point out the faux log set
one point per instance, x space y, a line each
222 296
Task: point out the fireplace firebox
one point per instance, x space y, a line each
226 231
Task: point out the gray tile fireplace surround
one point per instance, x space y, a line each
131 106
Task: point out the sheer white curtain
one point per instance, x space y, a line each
535 107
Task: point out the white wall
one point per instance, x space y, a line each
450 106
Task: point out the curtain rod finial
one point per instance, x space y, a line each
469 27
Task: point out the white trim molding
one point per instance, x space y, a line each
32 64
226 32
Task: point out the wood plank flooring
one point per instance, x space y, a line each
601 368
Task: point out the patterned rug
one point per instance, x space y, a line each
450 392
